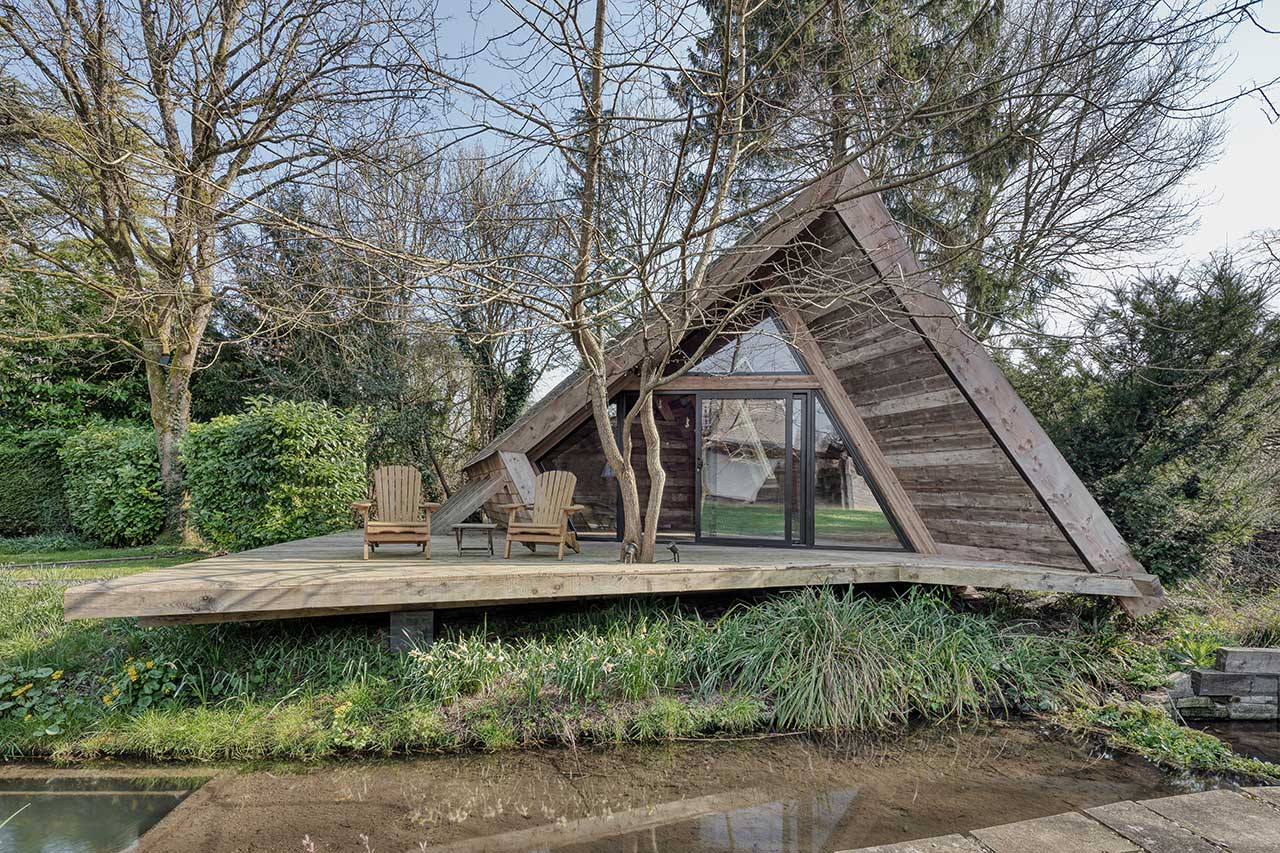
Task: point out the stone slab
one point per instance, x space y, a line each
1270 794
1071 831
1151 831
1247 659
1227 818
1251 711
1211 682
1179 686
941 844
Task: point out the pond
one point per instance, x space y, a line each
770 793
53 812
1254 739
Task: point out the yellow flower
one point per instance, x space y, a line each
26 718
23 689
150 664
115 691
107 700
56 675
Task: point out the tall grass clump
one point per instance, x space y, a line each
824 660
628 653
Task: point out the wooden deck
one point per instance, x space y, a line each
325 576
1246 820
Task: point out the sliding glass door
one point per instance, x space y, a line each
774 468
745 467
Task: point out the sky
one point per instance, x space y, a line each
1241 191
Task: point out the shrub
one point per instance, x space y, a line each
113 483
32 499
279 471
1168 411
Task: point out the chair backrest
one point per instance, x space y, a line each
397 489
553 491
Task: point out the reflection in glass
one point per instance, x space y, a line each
744 468
761 349
846 510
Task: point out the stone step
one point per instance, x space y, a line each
1212 682
1244 659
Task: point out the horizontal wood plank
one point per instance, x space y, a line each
325 575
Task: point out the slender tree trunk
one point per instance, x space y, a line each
171 347
618 456
657 479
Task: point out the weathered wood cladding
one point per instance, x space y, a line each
969 494
597 490
961 462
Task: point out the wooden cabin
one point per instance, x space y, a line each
872 423
858 440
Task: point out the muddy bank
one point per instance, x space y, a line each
783 793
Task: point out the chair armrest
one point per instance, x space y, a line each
363 508
572 508
513 507
429 506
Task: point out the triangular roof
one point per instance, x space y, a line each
1003 492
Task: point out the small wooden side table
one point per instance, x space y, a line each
459 531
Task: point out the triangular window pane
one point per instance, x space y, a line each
761 349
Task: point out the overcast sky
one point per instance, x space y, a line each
1241 191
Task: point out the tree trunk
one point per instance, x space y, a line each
171 346
170 391
657 479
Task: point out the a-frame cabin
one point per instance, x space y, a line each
870 423
864 439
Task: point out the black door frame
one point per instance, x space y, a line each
806 521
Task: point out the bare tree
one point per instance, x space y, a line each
1109 102
652 187
143 129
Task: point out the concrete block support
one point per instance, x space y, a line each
412 629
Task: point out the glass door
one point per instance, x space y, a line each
745 468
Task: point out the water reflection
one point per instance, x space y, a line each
790 794
83 815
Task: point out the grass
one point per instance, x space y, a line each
1150 732
50 558
815 659
765 520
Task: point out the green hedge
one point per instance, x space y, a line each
31 489
277 472
113 483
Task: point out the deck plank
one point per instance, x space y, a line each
326 575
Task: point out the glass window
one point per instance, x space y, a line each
761 349
744 468
846 510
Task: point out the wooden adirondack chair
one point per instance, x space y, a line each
549 514
395 511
